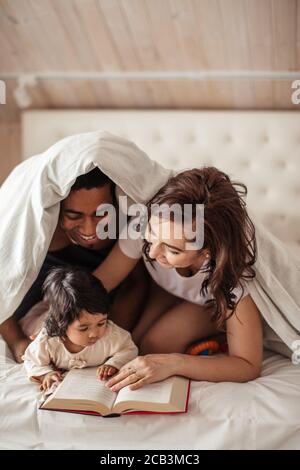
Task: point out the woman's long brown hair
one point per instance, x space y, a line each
229 234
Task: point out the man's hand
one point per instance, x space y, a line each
49 379
105 371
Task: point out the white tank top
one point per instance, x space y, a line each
187 288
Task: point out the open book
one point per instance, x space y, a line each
82 392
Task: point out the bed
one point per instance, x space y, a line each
258 148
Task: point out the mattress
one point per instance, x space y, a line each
262 414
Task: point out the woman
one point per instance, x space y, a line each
197 292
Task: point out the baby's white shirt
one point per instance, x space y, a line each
45 353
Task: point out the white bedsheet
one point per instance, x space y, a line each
263 414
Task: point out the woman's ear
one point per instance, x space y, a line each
205 254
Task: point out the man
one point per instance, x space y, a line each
75 243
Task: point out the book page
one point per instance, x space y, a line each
159 392
82 384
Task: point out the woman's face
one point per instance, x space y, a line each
168 245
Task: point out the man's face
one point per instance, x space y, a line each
78 215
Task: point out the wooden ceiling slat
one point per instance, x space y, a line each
71 23
17 25
145 44
210 50
148 35
120 34
284 34
235 35
97 32
259 32
162 26
59 47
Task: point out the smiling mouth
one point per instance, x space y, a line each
165 263
88 240
91 237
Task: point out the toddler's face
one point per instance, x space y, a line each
87 329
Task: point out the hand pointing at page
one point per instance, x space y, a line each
144 370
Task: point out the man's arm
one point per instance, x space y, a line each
14 337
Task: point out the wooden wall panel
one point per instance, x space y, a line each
10 148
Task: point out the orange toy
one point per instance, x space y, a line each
205 348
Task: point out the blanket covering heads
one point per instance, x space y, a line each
29 210
30 200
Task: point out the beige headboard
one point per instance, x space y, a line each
261 149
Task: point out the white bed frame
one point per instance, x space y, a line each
259 148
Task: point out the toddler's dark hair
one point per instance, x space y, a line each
68 291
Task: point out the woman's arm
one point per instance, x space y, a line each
115 268
244 335
245 349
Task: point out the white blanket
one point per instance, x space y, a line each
262 414
30 201
29 210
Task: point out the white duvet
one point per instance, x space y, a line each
263 414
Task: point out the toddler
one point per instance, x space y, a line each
76 332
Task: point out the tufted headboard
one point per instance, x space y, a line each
258 148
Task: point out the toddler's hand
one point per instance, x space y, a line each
49 379
105 371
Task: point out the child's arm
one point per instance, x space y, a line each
124 349
37 360
49 379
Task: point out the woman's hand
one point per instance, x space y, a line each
144 370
